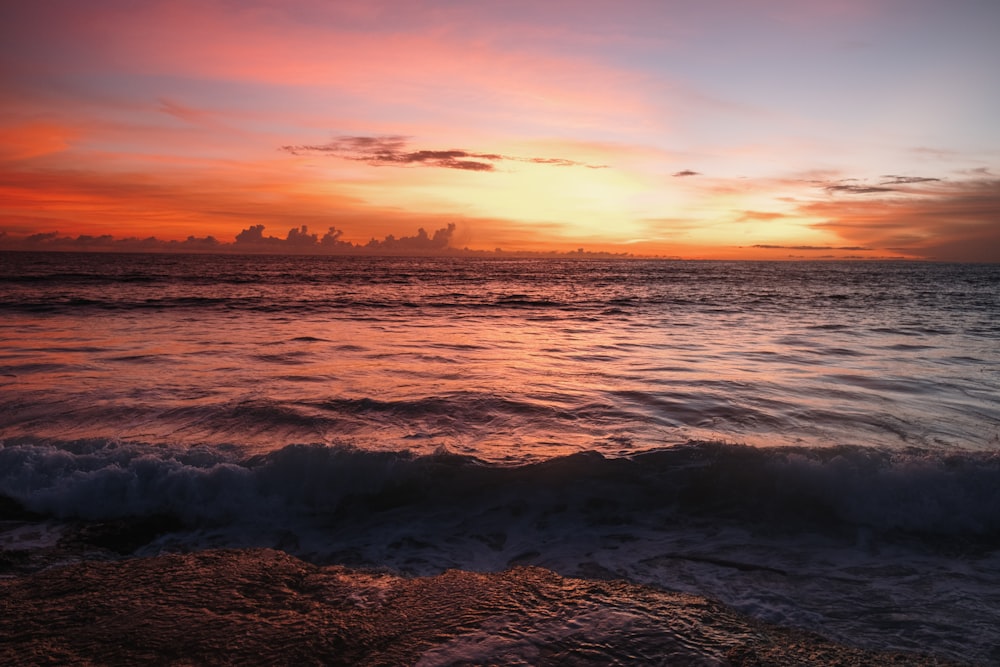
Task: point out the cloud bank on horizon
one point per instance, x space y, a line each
763 129
251 240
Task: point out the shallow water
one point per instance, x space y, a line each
815 444
262 607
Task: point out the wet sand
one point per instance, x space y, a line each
266 607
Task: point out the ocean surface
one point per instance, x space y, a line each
814 444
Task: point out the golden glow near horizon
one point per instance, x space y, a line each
721 129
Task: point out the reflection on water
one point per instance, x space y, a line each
518 358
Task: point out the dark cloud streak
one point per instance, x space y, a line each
904 180
393 150
765 246
857 189
853 187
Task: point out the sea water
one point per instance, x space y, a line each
812 443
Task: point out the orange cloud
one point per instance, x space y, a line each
941 220
34 139
765 216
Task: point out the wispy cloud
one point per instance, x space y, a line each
394 150
190 115
760 216
686 172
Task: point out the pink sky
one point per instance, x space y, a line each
711 129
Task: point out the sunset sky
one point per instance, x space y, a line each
709 129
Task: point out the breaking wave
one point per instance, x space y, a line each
794 489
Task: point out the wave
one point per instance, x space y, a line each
879 548
916 493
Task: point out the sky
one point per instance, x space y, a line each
710 129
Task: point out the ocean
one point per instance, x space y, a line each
815 445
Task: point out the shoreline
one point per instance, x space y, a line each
261 606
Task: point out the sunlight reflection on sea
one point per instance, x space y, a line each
504 360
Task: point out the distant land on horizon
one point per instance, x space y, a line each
301 241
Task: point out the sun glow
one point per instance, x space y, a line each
616 130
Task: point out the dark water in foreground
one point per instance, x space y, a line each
814 444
